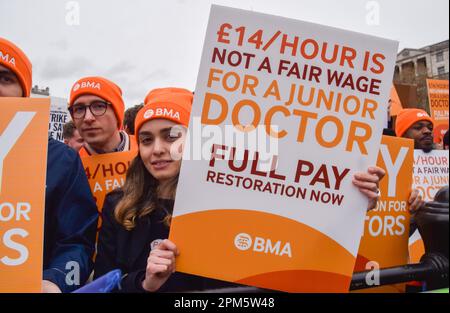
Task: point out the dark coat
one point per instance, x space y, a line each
129 250
70 218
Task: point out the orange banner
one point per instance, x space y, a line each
268 246
23 154
396 104
438 100
105 173
386 231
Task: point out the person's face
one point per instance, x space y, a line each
95 130
76 142
422 133
160 147
9 83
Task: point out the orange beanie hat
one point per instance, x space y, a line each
173 104
102 88
15 60
408 117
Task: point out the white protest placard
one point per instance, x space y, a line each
287 217
59 115
430 175
430 172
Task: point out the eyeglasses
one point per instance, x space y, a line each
97 108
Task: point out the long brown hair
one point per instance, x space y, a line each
140 195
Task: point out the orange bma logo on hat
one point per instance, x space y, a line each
420 115
148 114
162 113
7 58
87 84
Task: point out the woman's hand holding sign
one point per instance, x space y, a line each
369 183
160 265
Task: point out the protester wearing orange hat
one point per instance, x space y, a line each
167 108
416 124
97 109
173 104
70 212
137 218
15 71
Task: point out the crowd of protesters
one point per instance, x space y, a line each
136 217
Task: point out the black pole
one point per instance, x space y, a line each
433 269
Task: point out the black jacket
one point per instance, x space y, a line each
129 250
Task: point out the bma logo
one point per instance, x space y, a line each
422 115
87 84
76 87
164 112
7 58
245 242
149 113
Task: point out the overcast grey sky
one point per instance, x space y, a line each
145 44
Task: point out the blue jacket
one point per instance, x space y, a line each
70 219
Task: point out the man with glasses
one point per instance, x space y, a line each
97 109
70 211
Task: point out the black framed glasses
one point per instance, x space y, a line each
97 108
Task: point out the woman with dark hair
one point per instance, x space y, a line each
136 218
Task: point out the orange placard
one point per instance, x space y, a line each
416 248
386 230
396 104
276 264
105 173
438 100
23 154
